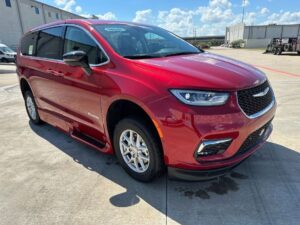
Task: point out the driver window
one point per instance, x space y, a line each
76 39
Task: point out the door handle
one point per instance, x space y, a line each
51 71
59 74
55 73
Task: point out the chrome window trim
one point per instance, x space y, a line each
62 61
260 113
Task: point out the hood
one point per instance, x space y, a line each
205 70
10 53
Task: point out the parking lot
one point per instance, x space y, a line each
48 178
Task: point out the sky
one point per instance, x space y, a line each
187 17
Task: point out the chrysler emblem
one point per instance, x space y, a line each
263 93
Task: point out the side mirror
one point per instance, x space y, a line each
78 58
1 53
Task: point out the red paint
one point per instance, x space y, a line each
68 101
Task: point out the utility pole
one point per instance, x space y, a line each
195 33
243 11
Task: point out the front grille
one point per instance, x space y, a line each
250 104
253 139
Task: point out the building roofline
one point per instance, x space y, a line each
270 25
62 10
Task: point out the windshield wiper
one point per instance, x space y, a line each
145 56
181 53
141 56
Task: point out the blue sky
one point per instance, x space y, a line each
207 17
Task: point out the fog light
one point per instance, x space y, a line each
212 147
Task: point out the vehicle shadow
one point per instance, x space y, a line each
257 192
7 64
7 71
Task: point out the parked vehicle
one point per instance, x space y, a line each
6 54
279 45
146 95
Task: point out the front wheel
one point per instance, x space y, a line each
4 60
31 108
137 149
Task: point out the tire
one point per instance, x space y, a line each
5 60
31 108
298 52
153 167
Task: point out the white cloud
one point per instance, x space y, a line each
264 11
78 9
107 16
66 4
143 16
284 18
69 4
60 2
220 3
177 21
215 13
246 3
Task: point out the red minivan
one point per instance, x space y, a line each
146 95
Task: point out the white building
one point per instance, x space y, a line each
260 36
19 16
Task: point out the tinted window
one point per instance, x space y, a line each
50 43
134 41
28 44
77 39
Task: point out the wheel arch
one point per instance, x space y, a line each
124 107
25 86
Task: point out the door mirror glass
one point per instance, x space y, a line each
1 53
78 58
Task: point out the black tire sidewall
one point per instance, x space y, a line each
156 163
37 120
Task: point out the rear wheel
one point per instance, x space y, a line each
137 149
31 108
4 60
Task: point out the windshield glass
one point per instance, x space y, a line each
138 41
6 49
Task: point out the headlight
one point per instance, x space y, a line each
200 98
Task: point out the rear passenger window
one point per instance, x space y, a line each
50 43
28 44
76 39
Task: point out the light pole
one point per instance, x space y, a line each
243 11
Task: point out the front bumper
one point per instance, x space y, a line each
199 175
184 128
228 165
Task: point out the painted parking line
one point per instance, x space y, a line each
278 71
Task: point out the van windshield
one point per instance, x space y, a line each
6 50
139 41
